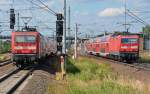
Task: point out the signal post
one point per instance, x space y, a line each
59 38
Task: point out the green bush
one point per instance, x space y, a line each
5 47
89 70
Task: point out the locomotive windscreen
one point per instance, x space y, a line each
129 40
25 38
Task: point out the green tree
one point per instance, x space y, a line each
146 31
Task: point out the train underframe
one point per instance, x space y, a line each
22 60
128 57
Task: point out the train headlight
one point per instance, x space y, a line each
124 47
31 47
134 47
18 47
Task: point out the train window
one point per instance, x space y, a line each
25 38
134 40
124 40
129 40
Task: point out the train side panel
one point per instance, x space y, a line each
88 46
104 46
114 45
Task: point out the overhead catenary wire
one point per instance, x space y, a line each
141 11
41 7
44 23
31 8
48 8
48 26
136 18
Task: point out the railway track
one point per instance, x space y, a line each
138 66
10 83
5 63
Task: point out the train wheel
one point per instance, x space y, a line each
97 54
111 57
124 61
20 66
116 57
120 59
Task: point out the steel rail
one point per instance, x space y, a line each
15 87
4 77
5 63
139 66
10 77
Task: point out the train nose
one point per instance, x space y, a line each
25 49
129 48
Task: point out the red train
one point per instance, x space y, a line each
30 46
120 47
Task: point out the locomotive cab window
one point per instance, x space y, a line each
25 38
129 40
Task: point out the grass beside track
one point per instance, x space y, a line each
90 76
4 57
145 57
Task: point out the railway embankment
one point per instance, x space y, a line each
145 56
87 75
4 57
95 76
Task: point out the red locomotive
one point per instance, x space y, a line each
116 46
29 46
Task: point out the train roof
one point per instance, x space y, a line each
119 33
27 33
106 37
27 30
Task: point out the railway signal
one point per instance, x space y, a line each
59 47
59 16
12 18
59 32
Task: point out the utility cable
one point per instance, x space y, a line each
48 8
140 11
40 7
136 17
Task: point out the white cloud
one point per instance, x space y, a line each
111 12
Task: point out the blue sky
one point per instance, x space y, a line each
95 16
109 14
